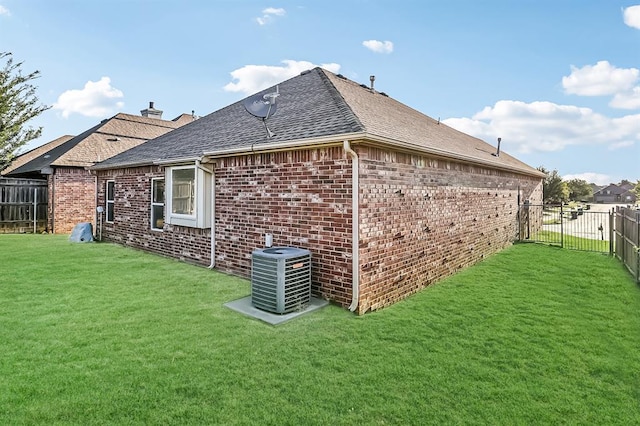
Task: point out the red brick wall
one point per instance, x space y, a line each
423 219
302 198
132 218
72 193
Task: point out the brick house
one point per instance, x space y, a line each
64 161
612 193
387 199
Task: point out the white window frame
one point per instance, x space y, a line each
201 217
157 204
110 202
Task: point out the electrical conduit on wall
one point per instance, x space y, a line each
355 222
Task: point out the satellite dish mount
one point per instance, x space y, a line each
263 106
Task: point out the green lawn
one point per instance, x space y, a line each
570 241
101 334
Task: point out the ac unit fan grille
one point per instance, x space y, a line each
281 284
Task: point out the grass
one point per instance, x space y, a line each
101 334
572 242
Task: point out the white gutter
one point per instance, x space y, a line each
197 160
211 171
277 146
355 227
100 166
373 139
447 154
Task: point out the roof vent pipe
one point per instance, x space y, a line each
372 78
497 154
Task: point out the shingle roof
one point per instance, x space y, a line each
317 104
24 158
110 137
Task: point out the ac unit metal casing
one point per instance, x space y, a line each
281 279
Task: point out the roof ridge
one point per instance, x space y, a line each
143 120
341 102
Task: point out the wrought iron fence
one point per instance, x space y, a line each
578 227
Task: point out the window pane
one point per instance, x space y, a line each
110 214
110 190
157 217
158 191
183 191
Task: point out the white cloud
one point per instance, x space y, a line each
269 15
619 145
4 11
627 100
597 178
96 99
600 79
545 126
378 46
632 16
253 78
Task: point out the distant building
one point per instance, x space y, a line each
612 193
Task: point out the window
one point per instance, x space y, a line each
183 182
188 196
157 203
110 197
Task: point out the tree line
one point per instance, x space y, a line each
557 190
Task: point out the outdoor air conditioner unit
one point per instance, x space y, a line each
281 279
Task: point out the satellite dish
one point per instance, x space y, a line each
263 106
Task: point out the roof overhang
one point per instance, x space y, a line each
369 139
326 141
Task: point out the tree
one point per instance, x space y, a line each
554 189
579 189
18 105
636 190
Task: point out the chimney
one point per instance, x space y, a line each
151 112
372 78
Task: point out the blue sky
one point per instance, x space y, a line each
557 80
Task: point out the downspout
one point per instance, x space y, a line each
213 220
212 231
355 225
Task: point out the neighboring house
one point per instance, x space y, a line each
613 193
64 162
28 156
387 199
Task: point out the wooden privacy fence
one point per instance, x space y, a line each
627 239
23 205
